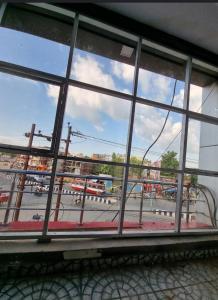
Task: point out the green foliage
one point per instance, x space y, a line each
117 171
169 161
194 179
12 155
114 171
135 172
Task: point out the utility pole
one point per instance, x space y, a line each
61 182
22 180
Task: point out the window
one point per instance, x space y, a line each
34 40
25 102
104 61
160 78
99 125
82 154
203 93
148 123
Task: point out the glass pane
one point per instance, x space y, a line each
99 125
103 61
87 200
151 201
199 202
35 41
25 102
202 146
203 93
159 145
161 79
23 197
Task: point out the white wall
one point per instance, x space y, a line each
208 156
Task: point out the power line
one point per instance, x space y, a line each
108 142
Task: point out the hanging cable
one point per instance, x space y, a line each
203 102
152 144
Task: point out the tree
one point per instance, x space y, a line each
104 169
169 161
194 179
135 171
115 171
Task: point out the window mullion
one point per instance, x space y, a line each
57 134
129 142
183 147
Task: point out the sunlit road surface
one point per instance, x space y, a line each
102 212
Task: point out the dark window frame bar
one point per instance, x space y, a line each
64 83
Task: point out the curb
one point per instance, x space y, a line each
87 197
68 192
171 214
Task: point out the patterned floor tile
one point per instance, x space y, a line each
174 294
160 278
203 291
182 280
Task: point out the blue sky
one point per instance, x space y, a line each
24 101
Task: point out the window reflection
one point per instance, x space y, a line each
43 47
99 124
25 102
148 124
103 62
203 93
157 77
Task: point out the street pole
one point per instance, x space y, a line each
83 204
61 182
23 176
10 201
141 205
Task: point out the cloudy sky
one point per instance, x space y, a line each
24 101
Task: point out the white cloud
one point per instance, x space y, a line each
99 128
92 106
179 98
122 71
154 86
89 70
195 98
148 123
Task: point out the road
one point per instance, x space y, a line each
102 212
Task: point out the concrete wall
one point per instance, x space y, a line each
208 156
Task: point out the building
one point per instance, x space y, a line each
96 156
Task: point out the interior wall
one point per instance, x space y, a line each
208 154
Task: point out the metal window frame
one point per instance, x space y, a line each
64 83
63 99
129 138
183 146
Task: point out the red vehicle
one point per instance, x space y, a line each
3 197
93 188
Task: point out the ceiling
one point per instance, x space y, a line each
194 22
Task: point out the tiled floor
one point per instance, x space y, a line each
196 279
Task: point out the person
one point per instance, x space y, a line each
119 193
78 199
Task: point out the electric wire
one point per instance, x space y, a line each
152 144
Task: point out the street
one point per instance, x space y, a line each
33 206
